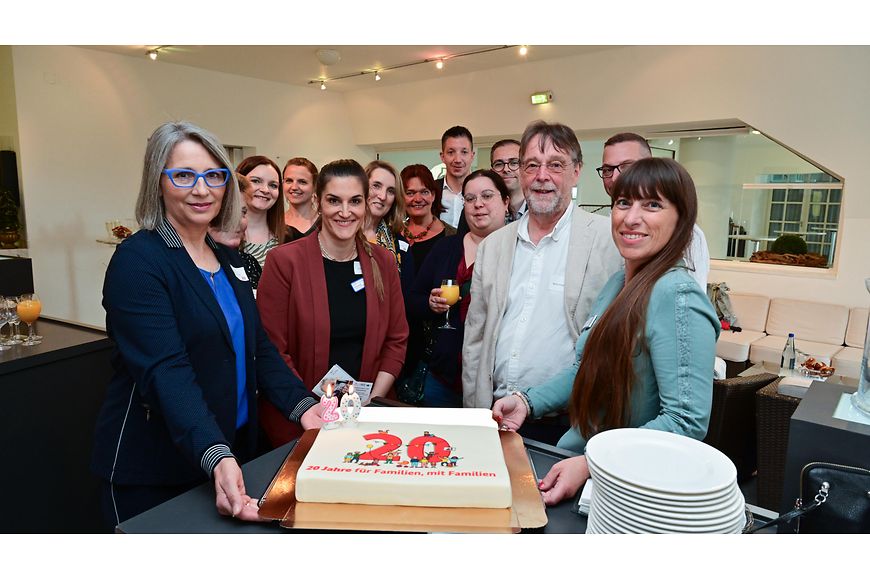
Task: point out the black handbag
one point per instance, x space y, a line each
834 499
410 389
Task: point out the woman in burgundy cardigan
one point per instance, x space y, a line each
334 298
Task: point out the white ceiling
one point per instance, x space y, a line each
297 65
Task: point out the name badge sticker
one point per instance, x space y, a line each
358 285
240 273
357 267
403 245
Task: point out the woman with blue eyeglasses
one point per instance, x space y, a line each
190 352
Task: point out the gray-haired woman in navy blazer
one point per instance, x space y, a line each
190 352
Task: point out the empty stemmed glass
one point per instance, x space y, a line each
450 293
5 318
13 320
29 307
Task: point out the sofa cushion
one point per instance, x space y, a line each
769 349
809 321
750 309
848 362
734 346
857 328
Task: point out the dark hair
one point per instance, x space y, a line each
497 180
601 396
275 214
350 168
502 143
301 162
561 136
628 138
456 132
422 173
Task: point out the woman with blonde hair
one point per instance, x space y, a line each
299 177
387 217
333 297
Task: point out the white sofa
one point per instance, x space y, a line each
828 332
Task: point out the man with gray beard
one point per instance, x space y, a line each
535 280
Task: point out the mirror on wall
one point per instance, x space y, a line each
751 191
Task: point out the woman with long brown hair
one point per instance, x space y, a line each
334 298
645 356
265 206
299 178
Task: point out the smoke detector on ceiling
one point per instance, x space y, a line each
327 56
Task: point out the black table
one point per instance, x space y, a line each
194 511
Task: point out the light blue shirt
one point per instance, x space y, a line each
673 368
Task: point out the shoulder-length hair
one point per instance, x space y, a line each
496 179
350 168
422 173
150 210
395 218
275 214
601 397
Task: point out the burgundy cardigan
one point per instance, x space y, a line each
292 300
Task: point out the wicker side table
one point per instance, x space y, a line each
773 412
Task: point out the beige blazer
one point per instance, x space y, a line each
592 260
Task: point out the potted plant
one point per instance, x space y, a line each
790 249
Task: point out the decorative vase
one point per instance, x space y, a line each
8 239
861 399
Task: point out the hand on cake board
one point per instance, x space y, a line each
509 413
564 480
311 418
230 496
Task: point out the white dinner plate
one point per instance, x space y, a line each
702 512
626 525
695 499
724 520
661 461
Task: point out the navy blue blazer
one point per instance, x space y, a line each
170 410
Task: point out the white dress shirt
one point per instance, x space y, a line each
534 341
698 256
453 204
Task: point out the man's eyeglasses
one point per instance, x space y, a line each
189 177
512 164
555 167
421 192
487 196
608 170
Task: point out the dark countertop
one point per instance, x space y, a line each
61 340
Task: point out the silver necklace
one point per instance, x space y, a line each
327 255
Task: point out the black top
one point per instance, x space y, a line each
252 268
421 249
291 233
347 315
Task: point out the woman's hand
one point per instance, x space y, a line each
509 413
437 304
564 479
311 418
231 499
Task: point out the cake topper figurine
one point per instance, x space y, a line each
328 404
350 407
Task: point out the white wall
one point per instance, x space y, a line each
84 117
811 98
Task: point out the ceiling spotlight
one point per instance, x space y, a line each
377 76
439 64
152 54
755 132
322 85
524 50
670 141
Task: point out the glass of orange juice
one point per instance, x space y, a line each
29 308
449 292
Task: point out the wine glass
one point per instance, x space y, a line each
29 308
449 292
12 319
5 318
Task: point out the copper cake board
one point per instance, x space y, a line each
526 512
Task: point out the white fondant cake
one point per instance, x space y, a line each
409 458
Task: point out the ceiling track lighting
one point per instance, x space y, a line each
153 52
439 64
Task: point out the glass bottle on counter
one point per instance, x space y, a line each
789 354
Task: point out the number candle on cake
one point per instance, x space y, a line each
328 404
350 407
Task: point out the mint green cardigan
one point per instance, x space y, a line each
674 372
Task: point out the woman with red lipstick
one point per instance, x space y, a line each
265 206
334 298
300 175
647 349
423 205
486 200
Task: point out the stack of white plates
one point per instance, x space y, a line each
649 482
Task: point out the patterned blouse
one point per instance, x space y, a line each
258 251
